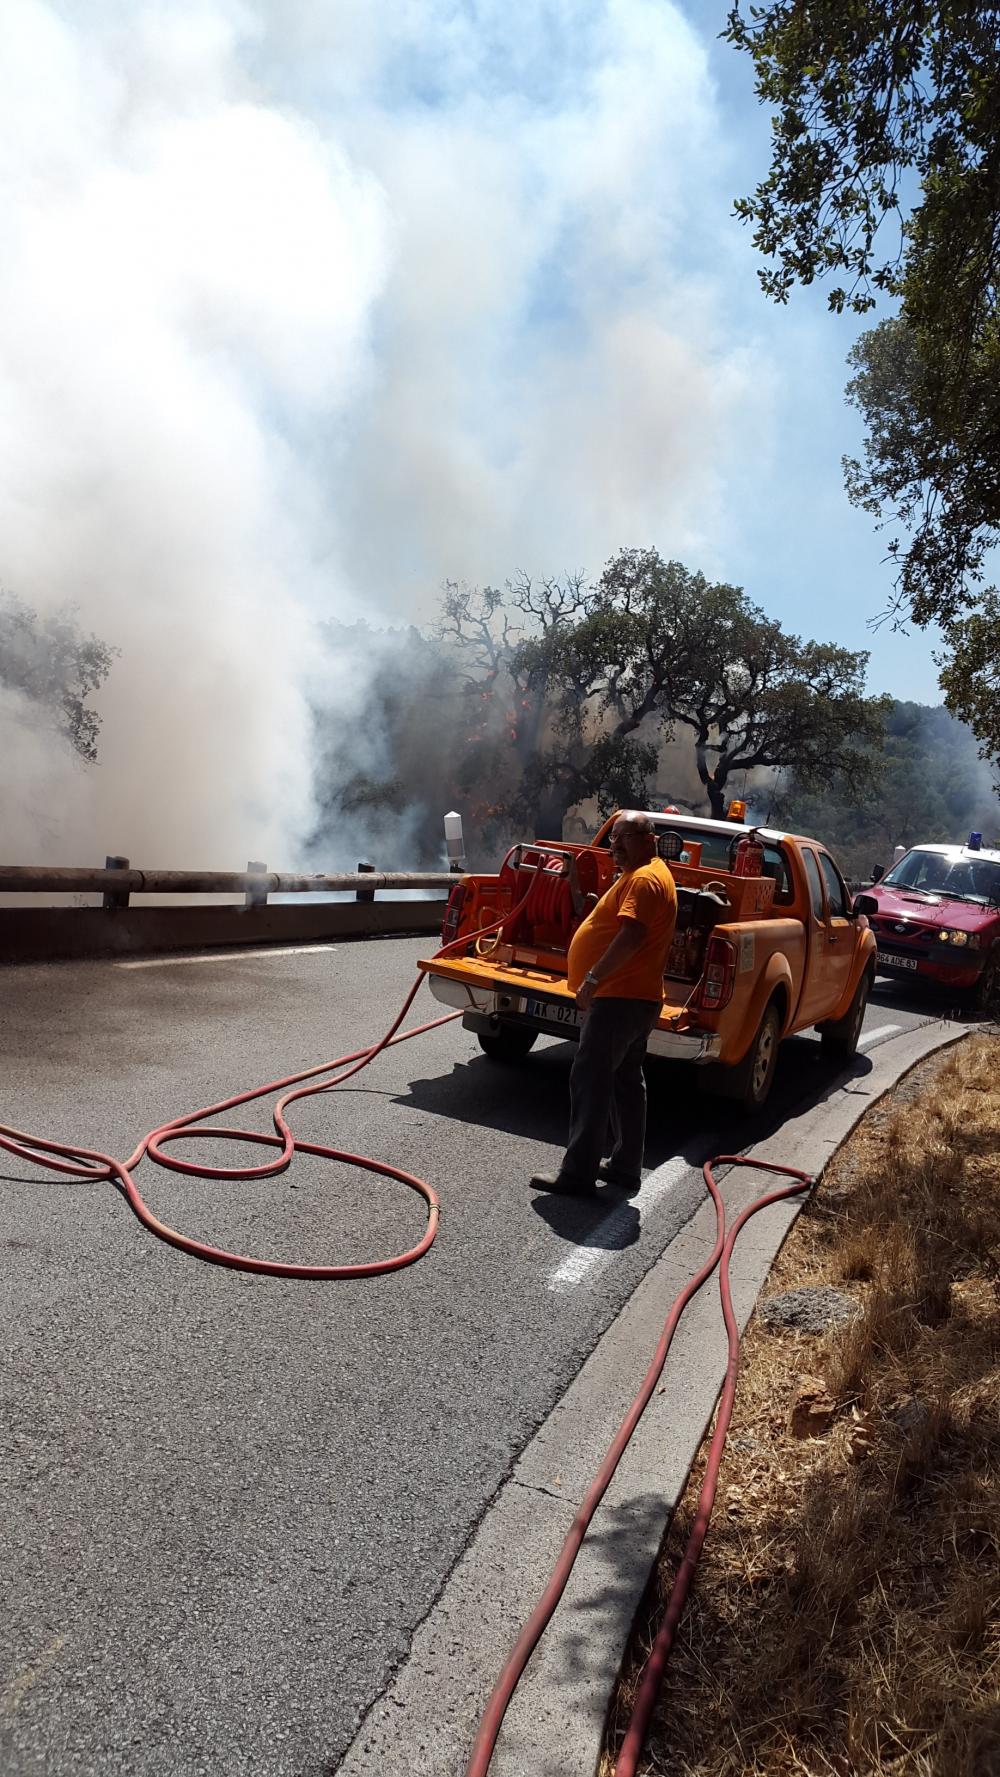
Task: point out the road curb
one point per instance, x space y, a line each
423 1724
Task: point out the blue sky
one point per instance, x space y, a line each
306 308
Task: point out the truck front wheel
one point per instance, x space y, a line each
507 1043
750 1082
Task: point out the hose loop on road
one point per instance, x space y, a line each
86 1163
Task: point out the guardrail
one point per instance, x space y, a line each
121 881
36 933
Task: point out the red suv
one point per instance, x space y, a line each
936 916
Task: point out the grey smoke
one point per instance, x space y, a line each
303 310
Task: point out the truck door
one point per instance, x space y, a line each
831 944
842 933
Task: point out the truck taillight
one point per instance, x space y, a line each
720 973
453 913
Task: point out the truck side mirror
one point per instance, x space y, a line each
865 904
878 871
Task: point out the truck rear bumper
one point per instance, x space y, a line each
487 1008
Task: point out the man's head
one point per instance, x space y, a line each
633 840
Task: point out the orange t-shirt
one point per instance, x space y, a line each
647 895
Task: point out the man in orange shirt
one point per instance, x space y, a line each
616 961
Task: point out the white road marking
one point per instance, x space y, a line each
12 1698
223 956
608 1238
881 1030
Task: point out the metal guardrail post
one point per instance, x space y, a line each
454 840
364 868
115 898
255 897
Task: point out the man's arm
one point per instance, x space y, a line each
629 938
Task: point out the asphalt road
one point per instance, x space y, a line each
230 1500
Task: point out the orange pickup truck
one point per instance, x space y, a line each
756 956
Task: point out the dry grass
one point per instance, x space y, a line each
846 1617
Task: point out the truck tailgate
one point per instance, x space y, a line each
541 997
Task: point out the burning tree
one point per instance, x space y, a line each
509 691
591 683
52 664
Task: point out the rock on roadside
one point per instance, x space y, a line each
808 1310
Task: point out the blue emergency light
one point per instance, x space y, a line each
975 842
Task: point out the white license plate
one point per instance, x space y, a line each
553 1011
897 962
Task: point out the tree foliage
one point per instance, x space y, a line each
502 642
601 678
52 663
931 463
863 94
970 677
892 111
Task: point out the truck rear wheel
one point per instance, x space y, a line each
840 1041
507 1043
750 1082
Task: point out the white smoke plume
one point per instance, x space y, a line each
304 309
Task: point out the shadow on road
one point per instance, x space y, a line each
607 1220
531 1100
528 1099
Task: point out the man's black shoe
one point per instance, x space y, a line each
564 1182
620 1179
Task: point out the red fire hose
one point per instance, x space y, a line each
652 1676
489 1727
88 1163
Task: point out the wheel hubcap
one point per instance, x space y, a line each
763 1058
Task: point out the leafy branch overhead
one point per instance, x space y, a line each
864 96
890 114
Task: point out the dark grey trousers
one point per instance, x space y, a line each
607 1092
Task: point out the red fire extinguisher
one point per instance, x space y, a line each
749 858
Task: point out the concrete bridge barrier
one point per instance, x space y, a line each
34 932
